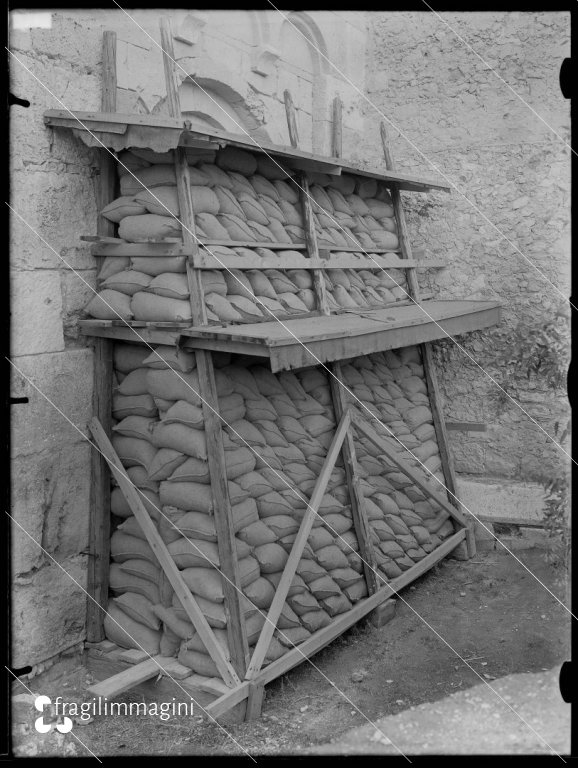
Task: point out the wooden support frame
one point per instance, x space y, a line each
426 353
235 689
236 630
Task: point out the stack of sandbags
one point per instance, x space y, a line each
277 429
391 386
134 571
353 210
143 292
238 196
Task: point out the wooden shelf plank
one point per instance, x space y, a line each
176 131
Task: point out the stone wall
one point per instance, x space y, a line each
244 61
454 116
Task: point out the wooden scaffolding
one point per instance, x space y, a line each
331 337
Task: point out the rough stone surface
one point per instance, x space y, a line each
455 119
36 313
48 611
65 378
52 506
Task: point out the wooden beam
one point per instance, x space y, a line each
163 555
404 467
337 130
357 500
236 629
289 156
125 680
427 359
297 549
99 514
255 701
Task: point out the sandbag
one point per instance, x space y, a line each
125 547
271 557
206 582
153 308
120 581
149 226
238 160
110 305
123 630
314 620
133 451
134 426
121 207
183 412
165 462
119 506
139 608
189 496
336 604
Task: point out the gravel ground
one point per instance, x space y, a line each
474 722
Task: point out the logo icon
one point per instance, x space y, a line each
44 701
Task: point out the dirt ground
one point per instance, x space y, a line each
489 610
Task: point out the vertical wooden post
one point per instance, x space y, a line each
426 353
99 515
337 126
360 522
236 630
308 220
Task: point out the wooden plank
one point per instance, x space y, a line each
340 326
236 629
228 700
404 467
356 498
208 684
148 335
336 132
206 260
339 625
427 358
297 549
99 513
163 555
255 701
291 119
133 656
466 426
123 681
292 156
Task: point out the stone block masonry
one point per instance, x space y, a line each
468 124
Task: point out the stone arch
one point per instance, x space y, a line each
212 96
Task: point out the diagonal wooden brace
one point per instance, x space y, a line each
163 555
297 549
